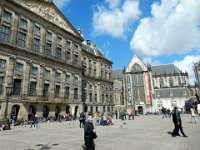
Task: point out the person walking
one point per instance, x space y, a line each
177 123
89 133
193 116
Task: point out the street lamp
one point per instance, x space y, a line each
8 90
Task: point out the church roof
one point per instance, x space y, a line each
117 74
165 69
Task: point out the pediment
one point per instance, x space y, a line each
49 12
135 60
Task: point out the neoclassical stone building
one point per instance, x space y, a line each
45 63
149 88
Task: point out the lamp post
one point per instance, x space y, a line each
6 119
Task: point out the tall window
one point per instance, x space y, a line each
7 16
103 98
75 93
46 73
75 59
36 45
23 23
21 39
161 82
46 89
5 33
48 49
17 87
95 97
90 97
19 67
2 63
32 91
67 92
58 75
67 56
1 85
171 82
34 71
37 30
58 53
57 92
49 36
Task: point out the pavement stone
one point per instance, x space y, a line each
146 132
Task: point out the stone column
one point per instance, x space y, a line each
26 75
52 85
14 29
42 40
40 85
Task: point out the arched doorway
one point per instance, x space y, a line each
140 109
14 112
85 108
76 111
45 111
31 111
57 111
67 109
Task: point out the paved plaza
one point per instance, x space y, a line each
143 133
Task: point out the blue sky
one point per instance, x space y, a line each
158 31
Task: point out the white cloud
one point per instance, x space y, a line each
61 3
173 28
152 62
187 65
115 20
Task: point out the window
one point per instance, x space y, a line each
7 16
48 49
184 93
23 23
75 93
46 73
102 97
67 77
5 33
76 47
68 44
95 97
49 36
67 92
36 45
2 63
173 103
58 53
58 75
171 82
19 67
158 94
90 97
32 91
75 59
17 87
36 30
46 89
34 70
1 85
57 92
67 56
161 82
59 41
21 39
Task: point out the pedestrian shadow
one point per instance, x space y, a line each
169 132
45 146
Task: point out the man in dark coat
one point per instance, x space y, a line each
88 134
177 123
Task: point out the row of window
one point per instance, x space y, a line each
171 93
5 34
164 84
34 71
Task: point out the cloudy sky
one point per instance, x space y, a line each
158 31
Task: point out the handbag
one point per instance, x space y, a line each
94 135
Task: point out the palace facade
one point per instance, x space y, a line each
46 65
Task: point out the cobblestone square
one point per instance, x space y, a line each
143 133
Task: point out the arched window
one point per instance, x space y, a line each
161 82
171 82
